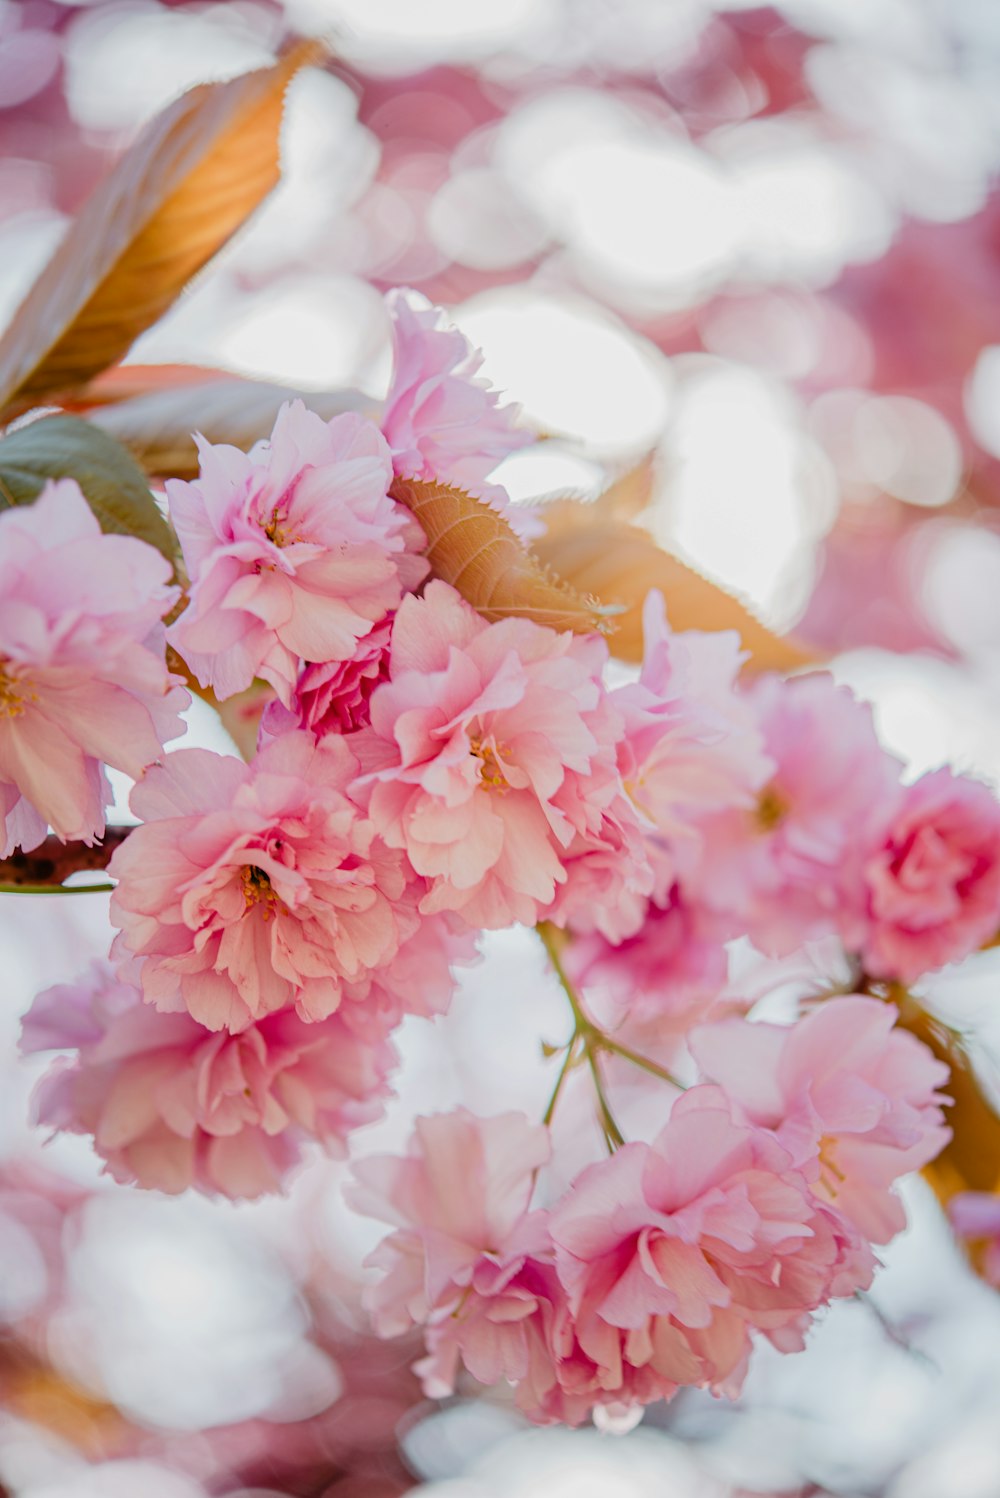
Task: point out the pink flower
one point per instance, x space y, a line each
294 550
933 886
513 1322
83 682
790 869
253 887
440 421
608 876
171 1105
975 1217
459 1194
501 1327
852 1099
692 745
419 980
668 968
673 1253
649 1274
490 749
468 1261
443 422
334 696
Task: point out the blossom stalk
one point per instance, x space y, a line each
586 1043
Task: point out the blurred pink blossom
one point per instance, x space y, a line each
790 868
669 967
419 979
460 1191
975 1216
609 874
933 886
692 742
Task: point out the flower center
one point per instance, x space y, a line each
274 529
491 775
831 1177
257 890
770 810
14 690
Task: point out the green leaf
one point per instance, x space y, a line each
57 447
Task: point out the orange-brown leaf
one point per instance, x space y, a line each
620 563
472 547
625 498
192 178
157 427
36 1392
127 381
971 1159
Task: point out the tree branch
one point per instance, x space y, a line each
52 862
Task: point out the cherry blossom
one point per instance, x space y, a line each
334 696
83 680
854 1099
692 742
669 967
440 419
458 1194
294 550
790 868
249 888
672 1253
171 1105
933 886
490 749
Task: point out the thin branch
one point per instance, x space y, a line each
613 1136
552 939
571 1058
585 1042
607 1043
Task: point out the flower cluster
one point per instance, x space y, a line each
749 1210
173 1105
423 774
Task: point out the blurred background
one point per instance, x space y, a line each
763 243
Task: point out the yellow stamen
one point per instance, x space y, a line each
831 1177
491 776
770 810
257 890
15 691
273 529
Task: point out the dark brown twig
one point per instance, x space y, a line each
52 862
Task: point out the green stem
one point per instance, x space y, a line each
55 889
584 1039
550 941
606 1043
569 1061
613 1136
586 1043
